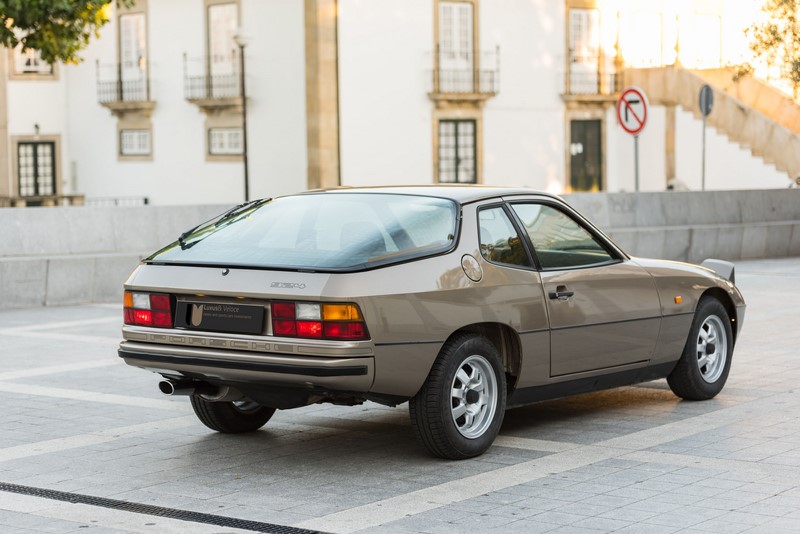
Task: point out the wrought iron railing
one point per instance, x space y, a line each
458 72
116 201
211 77
592 75
122 82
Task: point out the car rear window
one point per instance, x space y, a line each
325 231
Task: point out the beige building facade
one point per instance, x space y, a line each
348 92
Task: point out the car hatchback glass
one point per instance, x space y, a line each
321 231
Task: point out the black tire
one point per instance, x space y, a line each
691 380
434 409
231 417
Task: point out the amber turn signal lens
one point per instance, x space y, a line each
678 299
128 300
340 312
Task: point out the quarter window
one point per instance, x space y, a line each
500 242
560 242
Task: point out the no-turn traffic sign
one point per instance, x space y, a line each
632 110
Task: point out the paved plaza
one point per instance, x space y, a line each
89 445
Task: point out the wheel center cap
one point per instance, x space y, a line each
710 348
473 396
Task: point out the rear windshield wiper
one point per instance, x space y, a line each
223 217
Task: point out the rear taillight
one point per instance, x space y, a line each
148 309
315 320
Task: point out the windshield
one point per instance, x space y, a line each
339 231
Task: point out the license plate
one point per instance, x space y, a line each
220 317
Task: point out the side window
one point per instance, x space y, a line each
559 241
499 240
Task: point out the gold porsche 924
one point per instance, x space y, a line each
463 301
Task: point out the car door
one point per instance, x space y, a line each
604 310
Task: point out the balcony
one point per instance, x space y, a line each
41 201
464 76
591 79
213 84
124 88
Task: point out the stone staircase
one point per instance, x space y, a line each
748 112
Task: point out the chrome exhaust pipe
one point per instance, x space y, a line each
185 387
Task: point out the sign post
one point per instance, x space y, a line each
706 102
632 115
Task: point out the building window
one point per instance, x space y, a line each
37 168
456 47
457 151
584 51
30 62
134 142
222 50
225 141
133 57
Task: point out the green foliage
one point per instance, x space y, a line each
59 29
777 39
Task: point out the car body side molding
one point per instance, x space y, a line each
568 388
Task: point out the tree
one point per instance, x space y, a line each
776 40
58 29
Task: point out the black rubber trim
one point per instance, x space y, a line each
264 367
528 395
148 509
393 343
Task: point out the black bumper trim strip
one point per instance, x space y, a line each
148 509
264 367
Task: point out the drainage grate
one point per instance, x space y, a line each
147 509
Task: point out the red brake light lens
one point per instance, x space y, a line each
283 309
159 302
344 331
309 329
284 327
143 317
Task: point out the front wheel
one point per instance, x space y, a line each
231 417
705 363
458 411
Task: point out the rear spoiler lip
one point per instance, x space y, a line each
723 268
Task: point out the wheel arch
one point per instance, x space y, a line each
727 302
507 342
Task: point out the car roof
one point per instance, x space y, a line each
461 193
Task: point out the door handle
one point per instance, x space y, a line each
561 293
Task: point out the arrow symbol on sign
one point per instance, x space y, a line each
628 107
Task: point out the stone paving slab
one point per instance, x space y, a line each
634 459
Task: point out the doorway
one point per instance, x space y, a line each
586 155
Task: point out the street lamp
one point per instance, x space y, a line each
242 40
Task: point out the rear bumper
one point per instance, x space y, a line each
354 374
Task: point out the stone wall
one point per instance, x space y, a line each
71 255
694 225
